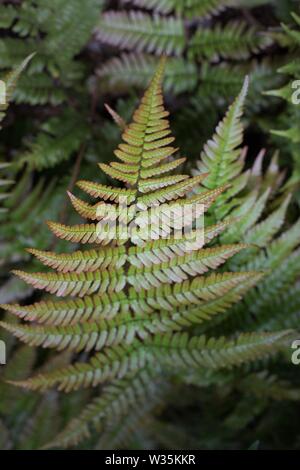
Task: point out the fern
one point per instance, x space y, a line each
28 420
10 81
206 66
192 8
56 39
235 40
252 195
58 139
188 9
133 328
119 72
289 130
139 31
113 404
222 158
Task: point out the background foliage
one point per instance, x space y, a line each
55 131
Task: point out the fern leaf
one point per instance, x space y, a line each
10 84
139 31
82 261
106 192
86 233
134 307
201 291
263 232
118 361
221 156
134 69
113 404
223 149
233 40
189 9
74 284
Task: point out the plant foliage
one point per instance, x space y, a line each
135 299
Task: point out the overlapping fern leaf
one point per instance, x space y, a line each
22 204
287 126
133 299
165 29
191 8
57 39
141 32
38 421
29 420
9 82
256 205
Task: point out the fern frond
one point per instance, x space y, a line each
56 43
201 292
57 140
140 303
223 150
234 40
42 424
119 361
134 69
87 233
188 9
63 284
107 192
142 32
221 156
285 311
113 404
264 232
112 363
219 353
247 213
10 81
82 261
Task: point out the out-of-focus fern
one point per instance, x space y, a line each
57 35
192 8
157 34
207 54
28 420
135 69
58 139
10 80
7 89
234 40
142 32
260 210
290 38
21 207
27 204
189 9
